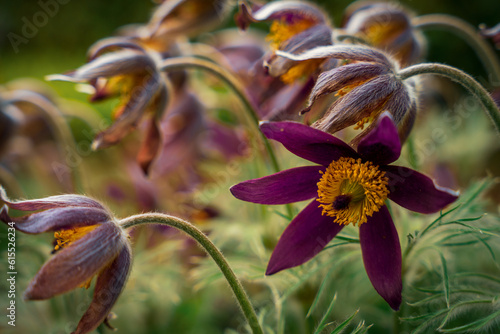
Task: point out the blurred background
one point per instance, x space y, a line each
173 288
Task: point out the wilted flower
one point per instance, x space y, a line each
131 74
366 87
493 33
386 26
88 243
296 26
348 187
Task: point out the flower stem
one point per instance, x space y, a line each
469 33
171 64
462 78
211 249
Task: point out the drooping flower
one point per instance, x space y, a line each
88 243
365 87
184 18
130 73
296 26
386 26
347 187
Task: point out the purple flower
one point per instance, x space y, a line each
386 26
348 187
130 73
296 27
366 86
88 243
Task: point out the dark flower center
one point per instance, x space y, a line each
342 202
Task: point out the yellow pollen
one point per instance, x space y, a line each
66 237
302 69
281 31
363 184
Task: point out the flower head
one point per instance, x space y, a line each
130 73
296 26
88 243
386 26
347 187
365 87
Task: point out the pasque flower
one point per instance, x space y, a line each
347 187
130 72
88 243
366 86
386 26
296 26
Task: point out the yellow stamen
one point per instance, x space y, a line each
351 191
281 31
66 237
302 69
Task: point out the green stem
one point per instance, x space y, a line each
211 249
171 64
462 78
469 33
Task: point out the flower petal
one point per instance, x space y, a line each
76 263
288 186
382 256
341 51
50 202
317 35
381 145
108 288
359 103
57 219
149 146
140 98
339 77
288 10
308 143
109 65
306 236
415 191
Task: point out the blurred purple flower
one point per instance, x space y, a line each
386 26
296 26
131 74
366 87
88 243
348 187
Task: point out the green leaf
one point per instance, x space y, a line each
446 281
473 326
345 323
322 323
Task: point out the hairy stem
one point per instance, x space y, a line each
462 78
171 64
469 33
211 249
